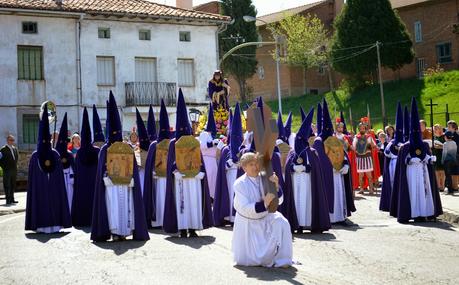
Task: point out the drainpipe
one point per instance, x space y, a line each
78 66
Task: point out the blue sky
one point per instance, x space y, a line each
263 6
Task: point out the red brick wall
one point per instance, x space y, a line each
437 19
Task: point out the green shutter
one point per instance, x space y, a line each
30 63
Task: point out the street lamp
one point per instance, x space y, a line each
248 19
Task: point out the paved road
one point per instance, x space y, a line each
376 250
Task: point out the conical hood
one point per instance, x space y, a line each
319 118
406 124
228 133
85 130
417 148
327 126
164 127
302 137
280 127
288 126
341 115
303 114
87 152
211 127
260 105
237 137
151 125
398 136
46 158
106 120
97 127
182 124
144 140
61 145
115 133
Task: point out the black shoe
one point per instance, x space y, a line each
420 220
183 234
404 222
15 202
193 234
299 231
441 189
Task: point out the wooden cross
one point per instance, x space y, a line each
431 105
265 133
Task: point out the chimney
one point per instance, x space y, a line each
184 4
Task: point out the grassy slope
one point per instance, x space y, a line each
442 88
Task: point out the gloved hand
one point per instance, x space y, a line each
178 175
200 175
153 173
299 168
229 163
344 170
431 159
216 141
220 145
279 141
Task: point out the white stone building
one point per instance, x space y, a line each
73 52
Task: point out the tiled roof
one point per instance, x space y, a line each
117 7
277 16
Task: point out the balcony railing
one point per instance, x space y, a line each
146 93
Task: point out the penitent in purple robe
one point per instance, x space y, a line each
47 204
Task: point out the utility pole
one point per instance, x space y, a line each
381 89
279 95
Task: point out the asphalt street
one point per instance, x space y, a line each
374 250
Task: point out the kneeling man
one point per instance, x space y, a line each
259 238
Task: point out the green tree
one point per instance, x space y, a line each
359 26
305 38
242 65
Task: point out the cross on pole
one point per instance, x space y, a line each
265 133
431 105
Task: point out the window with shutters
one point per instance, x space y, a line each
185 72
444 53
420 67
30 63
30 128
105 70
29 27
418 31
144 35
185 36
145 69
104 33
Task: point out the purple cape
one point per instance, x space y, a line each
149 187
320 218
47 203
99 227
170 212
326 171
83 195
221 202
386 188
400 200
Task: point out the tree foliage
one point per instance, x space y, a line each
359 26
306 40
242 65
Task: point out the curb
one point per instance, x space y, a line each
9 212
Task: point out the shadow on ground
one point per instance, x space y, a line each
270 274
44 238
120 247
195 243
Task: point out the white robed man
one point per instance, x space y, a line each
209 142
260 238
187 207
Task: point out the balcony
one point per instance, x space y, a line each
146 93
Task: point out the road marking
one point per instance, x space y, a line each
12 218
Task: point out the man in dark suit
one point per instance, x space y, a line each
9 163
